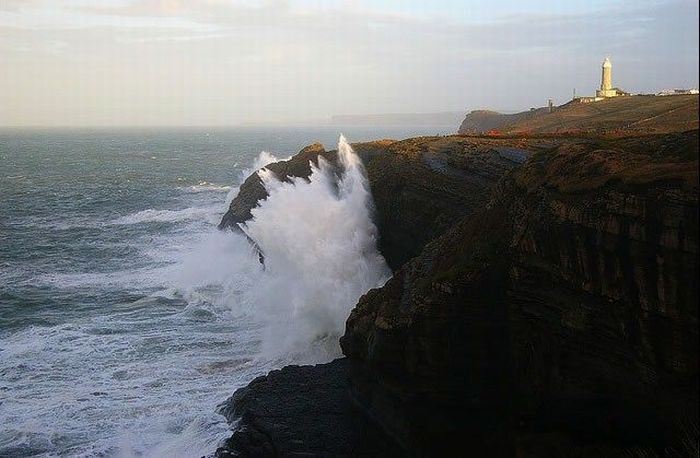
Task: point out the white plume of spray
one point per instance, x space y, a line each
263 159
320 248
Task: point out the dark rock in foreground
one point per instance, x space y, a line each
302 411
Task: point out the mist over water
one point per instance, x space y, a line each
126 317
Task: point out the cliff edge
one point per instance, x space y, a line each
560 321
421 186
548 307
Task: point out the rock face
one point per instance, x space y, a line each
553 315
482 121
278 419
252 190
561 320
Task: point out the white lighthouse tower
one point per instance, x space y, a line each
606 87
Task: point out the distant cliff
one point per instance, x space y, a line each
620 115
483 121
544 303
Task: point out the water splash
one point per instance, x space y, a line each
320 247
156 340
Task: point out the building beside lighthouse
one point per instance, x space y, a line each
606 90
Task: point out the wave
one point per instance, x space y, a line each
200 317
208 214
320 247
264 159
167 216
205 186
134 279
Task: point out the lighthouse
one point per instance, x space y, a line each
606 87
606 80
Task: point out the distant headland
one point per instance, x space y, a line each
611 110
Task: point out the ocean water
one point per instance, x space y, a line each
126 317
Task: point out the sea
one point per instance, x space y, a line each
127 317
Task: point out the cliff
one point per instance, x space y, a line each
621 115
563 315
483 121
277 417
554 314
421 186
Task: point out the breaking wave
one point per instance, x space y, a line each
205 186
159 316
164 216
320 248
264 159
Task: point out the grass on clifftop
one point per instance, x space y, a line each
586 165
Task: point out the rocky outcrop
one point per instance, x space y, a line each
421 186
483 121
278 419
555 317
252 189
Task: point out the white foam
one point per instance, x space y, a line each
262 160
135 279
320 248
167 216
205 186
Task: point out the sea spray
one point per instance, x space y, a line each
320 248
264 158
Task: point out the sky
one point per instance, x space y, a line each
230 62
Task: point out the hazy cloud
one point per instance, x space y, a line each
224 62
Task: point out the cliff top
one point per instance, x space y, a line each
620 115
